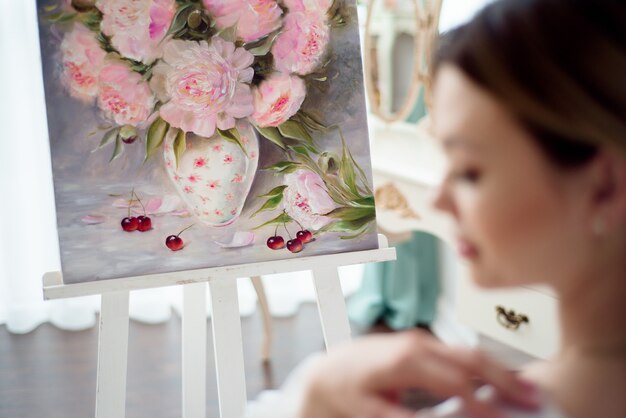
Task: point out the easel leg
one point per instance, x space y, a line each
228 347
266 344
331 305
112 356
194 350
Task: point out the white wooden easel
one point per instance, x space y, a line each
226 322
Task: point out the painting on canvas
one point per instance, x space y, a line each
188 134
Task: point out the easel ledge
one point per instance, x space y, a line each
226 324
55 288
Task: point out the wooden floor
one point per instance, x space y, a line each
52 373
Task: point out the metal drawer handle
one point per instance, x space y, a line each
509 319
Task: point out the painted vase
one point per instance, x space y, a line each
214 175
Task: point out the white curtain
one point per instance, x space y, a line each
28 237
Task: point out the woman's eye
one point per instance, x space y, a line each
470 175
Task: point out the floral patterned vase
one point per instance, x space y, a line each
214 175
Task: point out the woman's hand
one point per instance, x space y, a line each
366 378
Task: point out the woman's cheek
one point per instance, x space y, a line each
489 222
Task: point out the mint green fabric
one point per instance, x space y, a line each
404 292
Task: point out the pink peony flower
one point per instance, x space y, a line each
203 85
302 43
319 7
306 198
277 99
82 59
137 27
254 18
123 95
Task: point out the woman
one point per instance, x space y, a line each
530 107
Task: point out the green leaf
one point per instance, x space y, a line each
270 204
180 146
295 130
105 42
147 75
274 192
232 135
309 121
92 19
229 34
346 171
50 7
348 226
265 47
117 151
272 134
281 219
180 19
310 148
62 17
108 137
367 201
351 214
348 175
155 136
283 167
139 67
363 177
358 234
299 149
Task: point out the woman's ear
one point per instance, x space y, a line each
608 184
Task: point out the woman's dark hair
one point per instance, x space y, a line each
558 65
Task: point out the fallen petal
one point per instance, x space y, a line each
170 203
181 213
153 204
93 219
158 205
240 239
123 203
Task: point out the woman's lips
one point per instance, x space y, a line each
467 249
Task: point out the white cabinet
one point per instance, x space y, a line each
523 318
407 166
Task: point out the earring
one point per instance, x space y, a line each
598 227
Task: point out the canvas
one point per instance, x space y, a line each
188 134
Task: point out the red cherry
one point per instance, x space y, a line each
294 245
304 236
128 134
130 224
145 223
276 242
174 242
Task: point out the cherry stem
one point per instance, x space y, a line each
300 225
285 225
142 206
185 229
276 230
130 202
